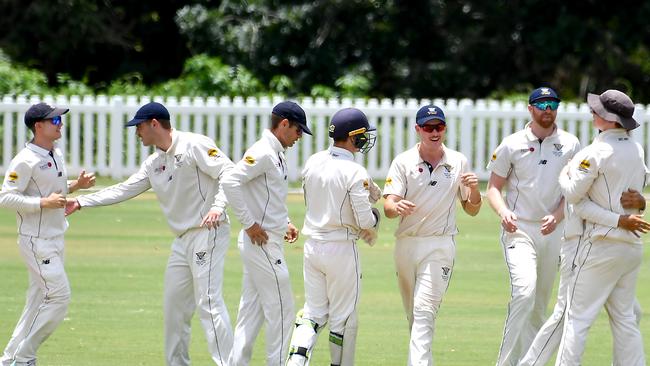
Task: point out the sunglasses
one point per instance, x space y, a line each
437 127
56 120
553 104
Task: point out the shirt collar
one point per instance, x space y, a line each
39 150
340 152
273 140
443 160
612 132
531 136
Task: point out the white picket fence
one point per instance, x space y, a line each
95 138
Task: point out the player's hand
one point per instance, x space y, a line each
549 223
85 180
632 199
211 219
71 205
404 207
469 180
633 223
292 233
54 200
369 236
257 234
508 221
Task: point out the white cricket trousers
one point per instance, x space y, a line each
606 276
194 282
424 267
266 298
332 274
47 300
532 260
549 335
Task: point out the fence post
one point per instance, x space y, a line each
115 153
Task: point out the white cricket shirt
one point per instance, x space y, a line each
257 186
602 171
185 179
432 189
336 192
32 174
532 167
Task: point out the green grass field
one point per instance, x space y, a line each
116 256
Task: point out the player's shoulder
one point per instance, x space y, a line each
26 157
407 156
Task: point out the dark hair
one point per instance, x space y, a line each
165 123
275 121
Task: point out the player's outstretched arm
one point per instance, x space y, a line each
71 205
84 181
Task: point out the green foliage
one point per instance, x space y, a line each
18 80
370 48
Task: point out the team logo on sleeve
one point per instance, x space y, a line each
12 177
584 166
389 181
366 185
249 160
213 153
494 156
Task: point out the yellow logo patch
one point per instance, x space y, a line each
389 180
13 176
213 153
494 157
249 160
584 165
366 185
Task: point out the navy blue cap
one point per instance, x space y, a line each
429 112
42 111
149 111
349 122
543 93
294 113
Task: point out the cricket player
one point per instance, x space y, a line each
609 257
527 164
339 195
35 186
421 187
548 337
185 173
257 191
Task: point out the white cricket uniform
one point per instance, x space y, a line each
33 174
425 248
609 259
336 192
548 337
257 191
186 180
531 167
